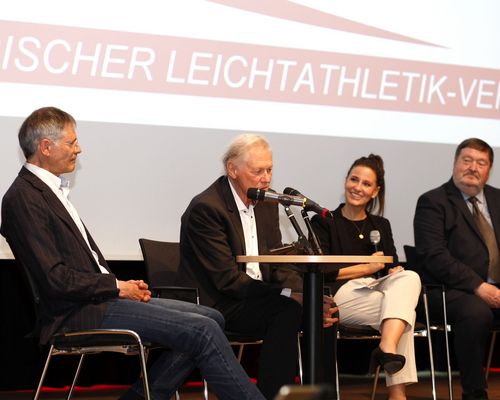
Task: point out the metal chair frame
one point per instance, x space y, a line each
432 326
85 342
159 285
96 341
161 260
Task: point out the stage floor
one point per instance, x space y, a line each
351 388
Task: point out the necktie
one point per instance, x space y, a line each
490 240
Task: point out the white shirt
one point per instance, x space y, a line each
247 218
60 187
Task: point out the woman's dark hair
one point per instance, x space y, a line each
376 164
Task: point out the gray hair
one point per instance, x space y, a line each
47 122
238 149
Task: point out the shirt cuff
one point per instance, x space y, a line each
286 292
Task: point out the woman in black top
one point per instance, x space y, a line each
369 294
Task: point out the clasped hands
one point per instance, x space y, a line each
329 308
134 290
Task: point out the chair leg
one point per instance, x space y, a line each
375 382
299 352
240 352
490 353
429 342
337 382
448 361
77 374
205 389
144 372
44 372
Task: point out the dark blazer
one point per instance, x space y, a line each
334 241
211 238
450 248
44 239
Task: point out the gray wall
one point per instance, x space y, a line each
135 180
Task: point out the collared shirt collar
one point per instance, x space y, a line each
52 181
479 197
239 203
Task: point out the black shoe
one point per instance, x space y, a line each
390 362
131 395
475 395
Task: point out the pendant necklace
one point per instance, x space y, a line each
360 230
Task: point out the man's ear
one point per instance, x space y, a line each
44 146
232 170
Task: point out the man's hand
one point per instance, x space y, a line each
329 308
489 294
298 297
134 290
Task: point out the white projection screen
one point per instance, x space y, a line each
159 88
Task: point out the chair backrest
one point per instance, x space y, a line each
35 294
161 260
411 258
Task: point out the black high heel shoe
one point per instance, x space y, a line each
390 362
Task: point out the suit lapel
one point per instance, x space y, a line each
56 206
455 197
262 226
492 200
232 211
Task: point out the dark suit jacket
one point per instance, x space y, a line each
46 241
450 248
211 238
334 241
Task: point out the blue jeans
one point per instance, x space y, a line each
195 336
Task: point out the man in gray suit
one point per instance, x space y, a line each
77 289
457 232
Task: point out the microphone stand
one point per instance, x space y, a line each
302 241
312 235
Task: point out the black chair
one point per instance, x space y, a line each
411 256
162 260
494 331
86 342
443 326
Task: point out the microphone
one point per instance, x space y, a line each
309 205
265 195
375 239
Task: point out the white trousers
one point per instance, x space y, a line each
369 301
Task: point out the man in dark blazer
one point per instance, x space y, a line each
77 289
221 223
452 250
